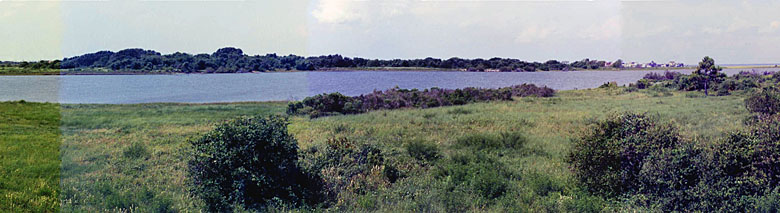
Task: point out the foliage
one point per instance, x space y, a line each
423 151
765 102
250 162
609 157
349 170
336 103
490 141
233 60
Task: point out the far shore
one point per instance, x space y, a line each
4 72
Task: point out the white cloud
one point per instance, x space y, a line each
337 11
609 29
534 33
349 11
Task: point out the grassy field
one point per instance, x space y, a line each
29 157
133 157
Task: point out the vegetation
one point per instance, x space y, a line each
336 103
493 156
251 163
233 60
29 157
708 77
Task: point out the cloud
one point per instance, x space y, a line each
337 11
351 11
609 29
534 33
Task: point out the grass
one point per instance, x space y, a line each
133 157
29 157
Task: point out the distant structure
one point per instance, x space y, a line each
651 64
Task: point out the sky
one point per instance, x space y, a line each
684 31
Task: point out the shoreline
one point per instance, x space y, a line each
358 69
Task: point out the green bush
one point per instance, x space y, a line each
492 141
475 172
609 157
669 178
349 170
422 151
136 150
249 163
765 102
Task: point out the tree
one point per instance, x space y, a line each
707 71
618 64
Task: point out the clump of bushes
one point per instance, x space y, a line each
250 163
475 172
646 163
422 151
765 102
336 103
492 141
349 169
609 157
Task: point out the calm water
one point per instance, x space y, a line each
199 88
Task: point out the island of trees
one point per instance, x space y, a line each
233 60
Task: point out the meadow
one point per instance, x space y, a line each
134 157
29 157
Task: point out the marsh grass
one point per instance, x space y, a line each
29 157
98 175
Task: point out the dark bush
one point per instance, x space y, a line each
422 150
608 85
136 150
609 157
349 168
669 178
477 172
765 102
483 141
335 103
250 162
653 76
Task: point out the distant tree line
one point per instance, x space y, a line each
232 60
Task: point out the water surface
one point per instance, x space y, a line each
205 88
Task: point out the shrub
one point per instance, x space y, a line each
765 102
609 85
609 157
335 103
249 162
483 141
136 150
475 172
661 77
349 169
669 177
422 151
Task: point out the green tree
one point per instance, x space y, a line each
618 64
707 71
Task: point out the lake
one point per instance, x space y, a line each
206 88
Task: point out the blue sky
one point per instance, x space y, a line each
729 31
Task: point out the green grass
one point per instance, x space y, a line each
29 157
133 157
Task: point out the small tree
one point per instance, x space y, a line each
707 71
